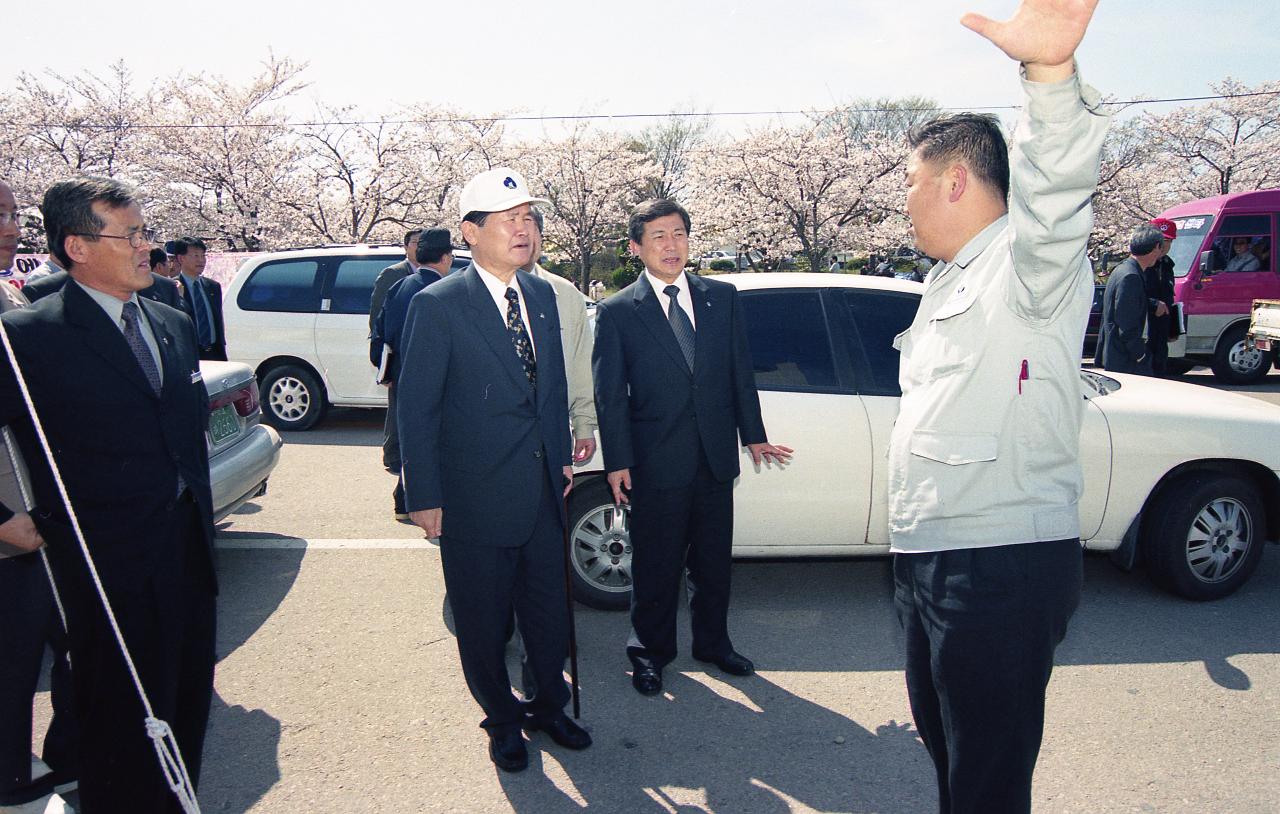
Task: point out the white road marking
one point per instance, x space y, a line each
245 543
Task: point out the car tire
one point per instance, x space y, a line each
600 546
1203 537
292 398
1235 362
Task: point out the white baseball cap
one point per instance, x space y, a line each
495 190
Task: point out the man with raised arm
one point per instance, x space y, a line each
984 473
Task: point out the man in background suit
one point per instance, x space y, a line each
116 385
387 278
674 393
484 428
1121 346
162 265
435 258
28 616
201 297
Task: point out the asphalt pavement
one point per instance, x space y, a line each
339 689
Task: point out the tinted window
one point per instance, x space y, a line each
353 284
787 331
283 285
876 318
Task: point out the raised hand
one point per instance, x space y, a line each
1041 33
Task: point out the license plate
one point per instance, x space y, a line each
223 423
1262 344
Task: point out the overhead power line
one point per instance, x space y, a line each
592 116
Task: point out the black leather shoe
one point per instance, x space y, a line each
647 680
561 728
735 664
506 749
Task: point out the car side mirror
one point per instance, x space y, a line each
1206 263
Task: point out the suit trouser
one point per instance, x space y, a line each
1158 343
485 583
687 529
391 447
981 627
168 621
28 621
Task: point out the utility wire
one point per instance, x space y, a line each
594 116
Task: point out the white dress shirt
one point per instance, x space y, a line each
498 290
684 299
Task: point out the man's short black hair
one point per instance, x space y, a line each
478 218
973 138
182 244
410 235
158 256
651 210
1144 239
67 210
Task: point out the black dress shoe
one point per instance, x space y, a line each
29 792
647 680
735 664
561 728
506 749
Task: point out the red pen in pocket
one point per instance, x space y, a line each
1022 376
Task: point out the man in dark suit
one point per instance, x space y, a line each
162 289
387 278
484 428
674 392
435 258
201 297
1160 297
1121 346
116 384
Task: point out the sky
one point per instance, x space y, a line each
567 57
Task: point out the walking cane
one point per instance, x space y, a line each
568 593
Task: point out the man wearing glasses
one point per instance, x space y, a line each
116 385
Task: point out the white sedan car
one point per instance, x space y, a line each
1184 478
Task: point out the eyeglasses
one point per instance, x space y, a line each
7 218
137 238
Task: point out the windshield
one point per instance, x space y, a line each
1186 246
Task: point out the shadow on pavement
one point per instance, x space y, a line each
246 741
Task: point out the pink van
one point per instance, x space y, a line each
1222 263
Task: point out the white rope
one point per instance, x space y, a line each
166 746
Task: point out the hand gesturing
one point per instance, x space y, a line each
1041 32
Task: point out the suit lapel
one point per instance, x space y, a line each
650 312
172 368
492 328
102 337
704 327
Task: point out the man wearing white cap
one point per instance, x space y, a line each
484 435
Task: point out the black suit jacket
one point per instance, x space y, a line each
120 448
162 289
388 328
654 412
386 278
217 350
475 437
1124 315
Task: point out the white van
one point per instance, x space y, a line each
300 319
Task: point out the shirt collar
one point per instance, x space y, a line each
112 306
979 242
682 283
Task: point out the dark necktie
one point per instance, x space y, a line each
204 321
520 337
680 324
133 335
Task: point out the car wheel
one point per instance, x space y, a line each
292 398
1204 536
600 542
1237 362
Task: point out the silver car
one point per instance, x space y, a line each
242 450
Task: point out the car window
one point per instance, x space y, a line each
1243 244
459 263
353 284
790 348
876 317
283 285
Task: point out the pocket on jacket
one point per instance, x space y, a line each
953 448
